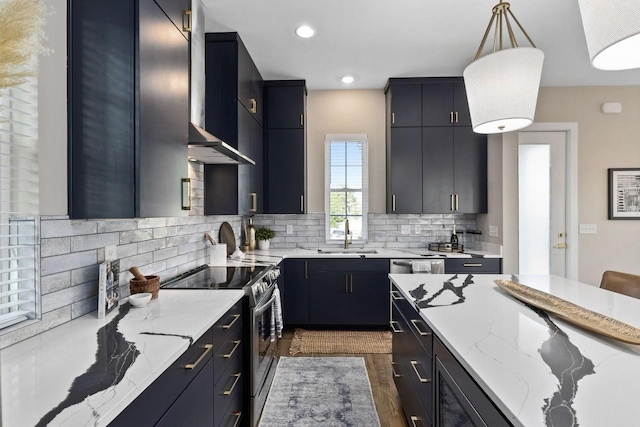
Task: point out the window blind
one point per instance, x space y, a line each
19 202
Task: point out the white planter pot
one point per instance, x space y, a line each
263 244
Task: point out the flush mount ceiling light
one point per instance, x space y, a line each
502 87
348 79
305 31
612 30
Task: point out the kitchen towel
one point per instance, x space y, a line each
276 315
421 266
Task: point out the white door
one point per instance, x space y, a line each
542 190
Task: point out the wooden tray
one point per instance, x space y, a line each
227 236
582 317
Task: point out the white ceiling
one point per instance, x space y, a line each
378 39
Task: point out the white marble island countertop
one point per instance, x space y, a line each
538 369
51 379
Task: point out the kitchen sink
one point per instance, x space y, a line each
356 251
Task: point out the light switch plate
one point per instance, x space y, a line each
418 229
588 228
405 229
493 231
289 229
110 253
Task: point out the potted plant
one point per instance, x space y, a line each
264 234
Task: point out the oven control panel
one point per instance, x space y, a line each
265 285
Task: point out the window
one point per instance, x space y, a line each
19 202
346 187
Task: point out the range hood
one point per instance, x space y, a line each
206 148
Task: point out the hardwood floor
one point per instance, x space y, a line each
384 390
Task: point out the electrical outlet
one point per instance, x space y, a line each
289 229
418 229
110 253
588 228
493 231
405 229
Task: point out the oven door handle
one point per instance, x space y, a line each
264 307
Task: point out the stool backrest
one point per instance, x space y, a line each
622 283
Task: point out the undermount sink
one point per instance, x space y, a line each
348 251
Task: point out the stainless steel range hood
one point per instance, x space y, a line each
206 148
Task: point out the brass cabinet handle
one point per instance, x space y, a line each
395 329
235 319
395 295
457 202
207 348
422 380
301 119
393 370
451 202
302 203
456 116
414 322
238 416
393 203
451 117
186 21
228 392
254 106
254 202
306 270
393 118
351 283
346 283
414 420
233 350
471 265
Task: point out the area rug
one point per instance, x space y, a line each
335 342
320 391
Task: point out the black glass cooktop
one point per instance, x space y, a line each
206 277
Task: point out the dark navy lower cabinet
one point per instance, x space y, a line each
295 292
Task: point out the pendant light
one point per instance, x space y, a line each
612 30
502 87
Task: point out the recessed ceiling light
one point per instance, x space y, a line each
305 31
347 79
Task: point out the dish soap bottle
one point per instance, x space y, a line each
251 235
454 237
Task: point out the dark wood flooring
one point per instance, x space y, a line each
384 390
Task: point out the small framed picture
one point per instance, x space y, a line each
624 193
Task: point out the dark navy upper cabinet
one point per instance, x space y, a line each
128 109
404 164
234 113
405 109
285 146
444 102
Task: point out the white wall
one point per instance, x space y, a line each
340 112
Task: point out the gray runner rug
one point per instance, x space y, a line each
320 391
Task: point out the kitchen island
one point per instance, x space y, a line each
535 368
85 372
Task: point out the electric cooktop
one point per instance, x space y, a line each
206 277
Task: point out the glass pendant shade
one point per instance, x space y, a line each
612 30
502 89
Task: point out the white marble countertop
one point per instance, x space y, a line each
535 366
37 373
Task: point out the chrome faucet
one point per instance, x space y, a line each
346 234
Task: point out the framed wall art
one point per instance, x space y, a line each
624 193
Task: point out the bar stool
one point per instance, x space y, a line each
622 283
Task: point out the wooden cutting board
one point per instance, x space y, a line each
227 236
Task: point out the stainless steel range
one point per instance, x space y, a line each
259 283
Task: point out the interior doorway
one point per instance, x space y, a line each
547 200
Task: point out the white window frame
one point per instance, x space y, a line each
362 138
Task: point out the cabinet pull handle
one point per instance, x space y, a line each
186 21
415 369
456 115
471 265
306 270
346 283
301 119
393 118
393 203
254 202
451 202
254 106
302 203
233 350
395 329
393 370
414 420
351 283
235 318
451 117
207 348
395 295
228 392
457 202
420 331
238 416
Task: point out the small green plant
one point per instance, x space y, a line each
264 233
